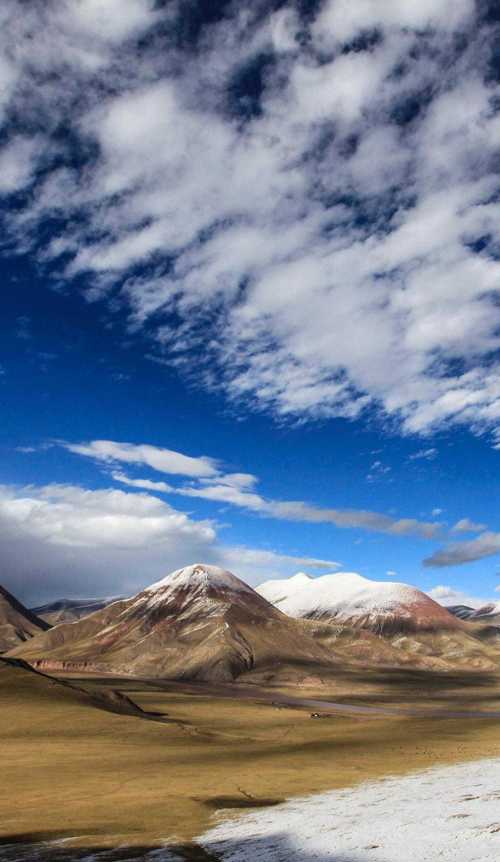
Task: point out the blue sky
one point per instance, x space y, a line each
265 240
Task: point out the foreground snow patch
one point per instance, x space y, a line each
450 813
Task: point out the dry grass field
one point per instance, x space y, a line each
73 768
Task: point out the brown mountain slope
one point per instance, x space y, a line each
69 610
17 623
198 623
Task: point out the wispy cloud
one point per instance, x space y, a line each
237 489
329 242
377 471
424 455
162 460
465 525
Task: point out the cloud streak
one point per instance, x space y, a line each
236 489
456 554
465 525
162 460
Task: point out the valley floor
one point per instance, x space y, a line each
104 779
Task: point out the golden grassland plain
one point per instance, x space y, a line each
73 769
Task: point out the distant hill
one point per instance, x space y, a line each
463 612
17 623
69 610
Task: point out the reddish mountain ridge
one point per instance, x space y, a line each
200 622
17 623
347 598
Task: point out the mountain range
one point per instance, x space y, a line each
199 623
203 623
69 610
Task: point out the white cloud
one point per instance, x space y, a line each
446 595
424 454
325 252
110 20
341 20
455 554
71 516
465 525
236 489
377 471
18 161
67 540
163 460
145 484
391 573
253 564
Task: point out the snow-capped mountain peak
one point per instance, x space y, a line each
200 575
349 598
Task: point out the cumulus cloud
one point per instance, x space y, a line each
326 237
237 489
455 554
67 540
74 517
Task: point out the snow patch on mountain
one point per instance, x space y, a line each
345 592
279 590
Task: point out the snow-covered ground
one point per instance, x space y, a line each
450 813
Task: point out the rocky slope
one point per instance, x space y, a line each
199 623
17 623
